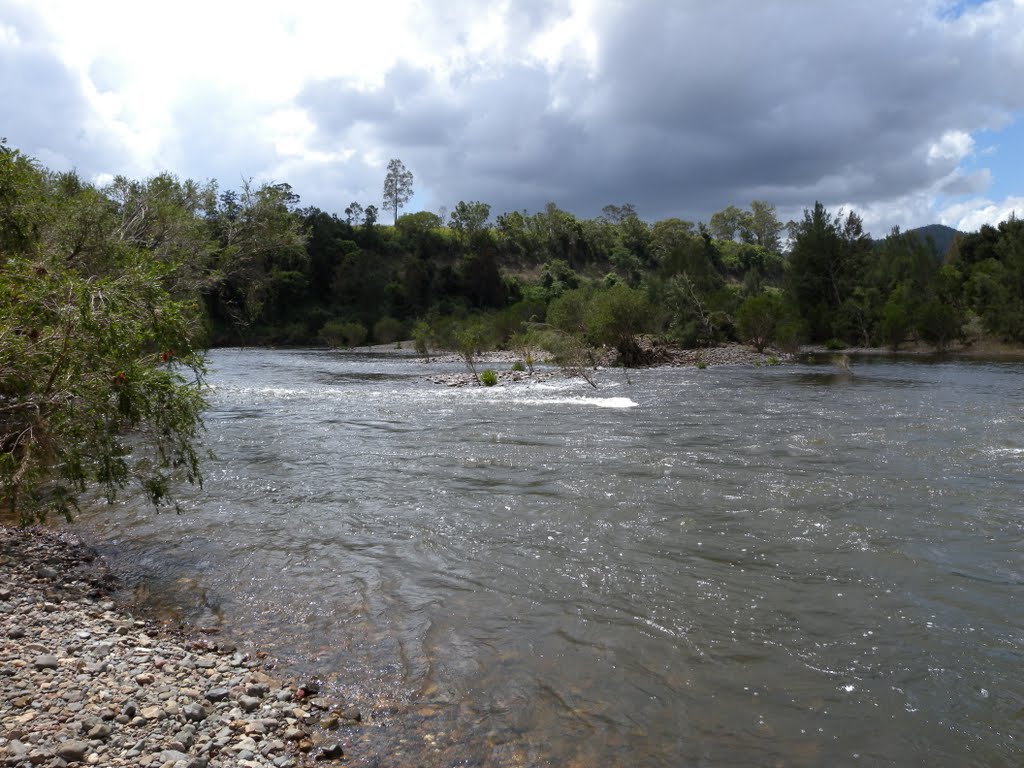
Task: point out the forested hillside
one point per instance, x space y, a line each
270 271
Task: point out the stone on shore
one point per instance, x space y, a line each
97 686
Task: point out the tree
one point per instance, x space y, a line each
354 214
758 317
469 218
765 227
397 187
617 317
826 264
261 258
730 223
100 369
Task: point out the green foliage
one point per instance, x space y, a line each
518 366
471 338
341 333
825 264
758 318
897 317
468 219
835 344
421 338
569 311
993 262
488 377
100 371
617 317
789 334
387 330
568 350
939 323
270 273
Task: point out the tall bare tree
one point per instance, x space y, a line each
397 186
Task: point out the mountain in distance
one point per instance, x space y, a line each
941 237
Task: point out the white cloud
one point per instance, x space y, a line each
953 145
971 215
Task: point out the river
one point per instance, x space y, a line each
725 567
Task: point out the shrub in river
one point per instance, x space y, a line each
835 344
488 378
701 365
518 366
773 360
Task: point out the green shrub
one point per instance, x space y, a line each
518 366
773 360
488 378
835 344
337 333
701 365
387 330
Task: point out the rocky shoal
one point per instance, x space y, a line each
659 356
83 682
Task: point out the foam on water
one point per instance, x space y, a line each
596 402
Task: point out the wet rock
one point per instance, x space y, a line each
331 752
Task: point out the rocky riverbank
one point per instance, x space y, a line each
85 683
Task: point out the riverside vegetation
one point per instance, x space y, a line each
108 295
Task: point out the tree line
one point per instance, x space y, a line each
109 294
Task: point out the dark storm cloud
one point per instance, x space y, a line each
697 105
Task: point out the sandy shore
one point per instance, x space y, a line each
85 683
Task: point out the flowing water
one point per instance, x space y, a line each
729 567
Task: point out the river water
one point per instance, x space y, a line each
729 567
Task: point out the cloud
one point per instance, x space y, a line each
680 108
971 215
688 107
46 111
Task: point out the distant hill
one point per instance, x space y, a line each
941 235
941 238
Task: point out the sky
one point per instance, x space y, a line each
908 112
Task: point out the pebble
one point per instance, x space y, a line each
97 686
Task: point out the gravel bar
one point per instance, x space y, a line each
83 682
